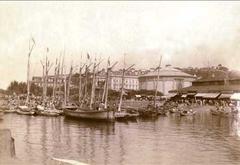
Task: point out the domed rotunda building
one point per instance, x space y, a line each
169 79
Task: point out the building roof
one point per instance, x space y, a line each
209 88
167 71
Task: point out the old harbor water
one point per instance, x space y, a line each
202 139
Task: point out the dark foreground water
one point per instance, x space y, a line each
203 139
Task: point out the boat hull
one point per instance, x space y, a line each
90 114
182 113
20 112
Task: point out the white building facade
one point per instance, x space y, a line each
130 82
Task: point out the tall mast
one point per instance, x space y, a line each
93 86
55 79
156 88
28 70
48 67
43 79
107 83
69 83
123 79
88 64
58 74
93 83
80 81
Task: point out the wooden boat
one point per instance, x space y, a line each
126 114
90 114
173 110
215 112
89 111
147 113
4 107
162 111
20 112
42 111
8 109
121 115
187 113
222 111
25 110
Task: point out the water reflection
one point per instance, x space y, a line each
198 139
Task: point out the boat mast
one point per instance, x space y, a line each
123 80
43 80
69 83
80 81
88 64
28 69
93 83
107 83
156 88
55 79
48 67
63 78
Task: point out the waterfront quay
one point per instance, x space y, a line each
172 139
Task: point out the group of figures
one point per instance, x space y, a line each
181 109
35 106
224 110
40 107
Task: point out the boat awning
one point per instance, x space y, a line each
225 96
235 96
191 94
200 94
184 96
211 95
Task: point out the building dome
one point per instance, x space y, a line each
169 79
167 71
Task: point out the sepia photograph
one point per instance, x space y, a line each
119 82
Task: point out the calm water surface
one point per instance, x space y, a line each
202 139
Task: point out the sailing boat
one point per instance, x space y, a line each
123 114
154 110
92 112
26 109
48 108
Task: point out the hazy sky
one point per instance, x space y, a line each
185 33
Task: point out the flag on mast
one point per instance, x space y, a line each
109 61
88 56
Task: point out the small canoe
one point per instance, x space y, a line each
21 112
9 111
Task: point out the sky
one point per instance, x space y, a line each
185 34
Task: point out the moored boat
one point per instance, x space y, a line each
187 112
42 111
90 114
25 110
